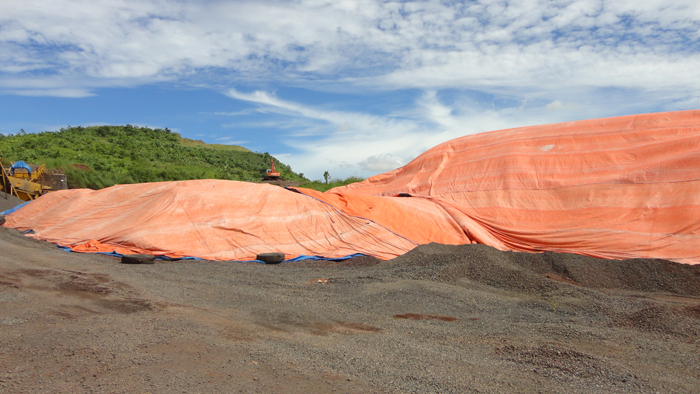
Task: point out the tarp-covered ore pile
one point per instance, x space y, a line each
624 187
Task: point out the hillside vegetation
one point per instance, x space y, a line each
335 182
102 156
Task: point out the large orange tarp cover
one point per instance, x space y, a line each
620 187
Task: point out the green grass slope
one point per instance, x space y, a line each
102 156
335 182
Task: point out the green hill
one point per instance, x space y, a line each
102 156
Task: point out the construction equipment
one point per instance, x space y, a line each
271 173
38 173
20 169
18 181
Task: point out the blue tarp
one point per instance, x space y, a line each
9 211
19 164
166 258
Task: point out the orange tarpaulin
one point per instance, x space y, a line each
210 219
620 187
615 188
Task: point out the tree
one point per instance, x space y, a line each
326 176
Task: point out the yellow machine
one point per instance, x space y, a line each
23 173
19 182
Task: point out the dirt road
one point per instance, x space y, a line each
439 319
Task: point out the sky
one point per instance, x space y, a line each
355 88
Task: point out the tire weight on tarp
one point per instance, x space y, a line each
271 258
138 259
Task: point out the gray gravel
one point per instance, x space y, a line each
8 201
440 319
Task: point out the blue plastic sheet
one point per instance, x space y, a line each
20 164
9 211
166 258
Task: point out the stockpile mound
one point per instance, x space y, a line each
209 219
619 188
8 201
625 187
541 273
663 293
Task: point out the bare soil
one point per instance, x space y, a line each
439 319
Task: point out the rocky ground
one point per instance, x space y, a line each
440 319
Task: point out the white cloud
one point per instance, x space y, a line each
537 45
247 111
557 105
341 138
61 92
357 144
381 163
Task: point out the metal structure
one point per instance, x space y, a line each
20 183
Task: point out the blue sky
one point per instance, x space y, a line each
350 87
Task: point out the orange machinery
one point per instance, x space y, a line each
271 173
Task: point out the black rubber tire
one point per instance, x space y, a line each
271 258
138 259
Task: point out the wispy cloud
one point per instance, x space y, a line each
535 45
381 163
61 92
352 143
226 140
243 112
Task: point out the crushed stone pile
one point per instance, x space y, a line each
8 201
542 272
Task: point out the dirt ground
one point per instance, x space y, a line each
440 319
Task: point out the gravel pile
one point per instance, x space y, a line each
8 201
543 272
